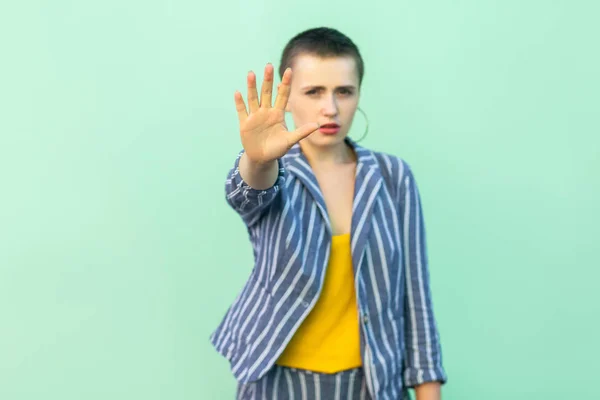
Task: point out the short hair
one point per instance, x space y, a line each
323 42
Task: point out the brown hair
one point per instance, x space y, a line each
323 42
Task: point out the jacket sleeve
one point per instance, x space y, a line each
248 202
423 359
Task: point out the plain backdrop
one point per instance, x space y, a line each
119 255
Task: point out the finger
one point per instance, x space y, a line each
302 132
240 106
266 95
283 90
252 93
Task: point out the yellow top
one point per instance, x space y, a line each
328 339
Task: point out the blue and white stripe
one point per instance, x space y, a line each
291 237
283 383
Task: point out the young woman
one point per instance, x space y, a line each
338 304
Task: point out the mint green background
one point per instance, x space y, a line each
119 255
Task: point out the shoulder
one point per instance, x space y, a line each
395 167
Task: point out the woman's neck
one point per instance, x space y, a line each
337 154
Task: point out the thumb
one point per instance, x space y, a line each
304 131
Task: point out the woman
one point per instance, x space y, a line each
338 304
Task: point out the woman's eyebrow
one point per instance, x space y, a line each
323 87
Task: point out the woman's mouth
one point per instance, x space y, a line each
329 129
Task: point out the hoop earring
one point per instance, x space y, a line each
364 135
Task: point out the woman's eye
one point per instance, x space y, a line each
345 92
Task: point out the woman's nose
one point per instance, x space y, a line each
329 106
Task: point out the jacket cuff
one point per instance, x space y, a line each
416 376
245 197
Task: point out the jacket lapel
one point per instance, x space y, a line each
366 187
298 165
368 181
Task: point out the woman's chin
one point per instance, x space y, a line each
325 140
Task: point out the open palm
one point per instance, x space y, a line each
263 132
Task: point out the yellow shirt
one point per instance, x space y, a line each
328 339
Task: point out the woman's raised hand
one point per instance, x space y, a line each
262 128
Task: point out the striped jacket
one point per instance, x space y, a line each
290 232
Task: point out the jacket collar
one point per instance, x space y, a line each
367 184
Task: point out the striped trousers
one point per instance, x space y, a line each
283 383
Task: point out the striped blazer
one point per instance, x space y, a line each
290 232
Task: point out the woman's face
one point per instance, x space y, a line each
324 90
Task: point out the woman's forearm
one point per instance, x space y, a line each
428 391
